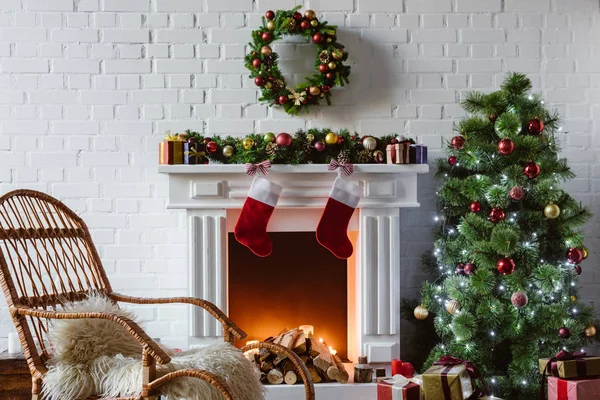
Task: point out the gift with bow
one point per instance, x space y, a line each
451 378
573 389
194 152
170 151
398 153
399 388
570 365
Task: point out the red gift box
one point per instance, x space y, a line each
398 388
398 153
573 389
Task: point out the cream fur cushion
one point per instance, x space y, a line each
98 357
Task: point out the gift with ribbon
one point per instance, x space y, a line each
575 389
451 378
398 153
170 151
418 154
194 152
570 365
399 388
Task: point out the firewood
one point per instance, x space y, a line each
323 361
300 345
263 379
316 347
287 365
266 366
342 376
275 377
363 372
291 378
314 374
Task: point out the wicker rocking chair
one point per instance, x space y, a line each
47 258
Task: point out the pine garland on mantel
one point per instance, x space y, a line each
315 146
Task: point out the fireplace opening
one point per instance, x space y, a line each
300 283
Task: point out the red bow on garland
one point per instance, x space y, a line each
346 168
449 362
261 166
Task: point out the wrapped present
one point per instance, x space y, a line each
399 388
170 151
451 378
570 365
398 153
194 152
418 154
576 389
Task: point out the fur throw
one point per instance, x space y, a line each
98 357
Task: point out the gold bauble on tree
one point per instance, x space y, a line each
314 90
331 138
590 331
266 50
552 211
228 151
310 15
453 306
314 23
332 65
369 143
248 143
270 25
421 313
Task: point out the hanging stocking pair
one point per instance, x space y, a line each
251 228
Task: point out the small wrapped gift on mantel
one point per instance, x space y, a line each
170 150
573 389
194 152
399 388
398 153
418 154
570 365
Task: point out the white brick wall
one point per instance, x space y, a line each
88 87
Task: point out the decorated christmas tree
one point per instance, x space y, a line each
508 244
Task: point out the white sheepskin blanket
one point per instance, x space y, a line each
98 357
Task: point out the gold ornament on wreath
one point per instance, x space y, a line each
262 62
590 331
421 313
453 306
552 211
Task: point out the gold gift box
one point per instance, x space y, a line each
459 382
568 368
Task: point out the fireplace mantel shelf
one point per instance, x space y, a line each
294 169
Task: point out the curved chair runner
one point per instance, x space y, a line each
41 238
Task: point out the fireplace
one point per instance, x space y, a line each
213 196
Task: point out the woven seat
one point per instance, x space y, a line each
47 258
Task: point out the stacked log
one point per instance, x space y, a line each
320 362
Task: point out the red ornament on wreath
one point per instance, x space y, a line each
496 215
535 126
256 63
283 99
212 147
305 25
297 16
506 147
259 81
574 255
325 88
270 14
531 170
323 68
267 37
475 206
470 269
452 160
458 142
505 266
577 269
318 38
517 193
284 139
564 333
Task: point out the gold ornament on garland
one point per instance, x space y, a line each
292 24
270 25
228 151
590 331
314 90
271 148
421 313
248 143
310 15
266 50
552 211
310 137
585 252
331 138
369 143
453 306
314 23
337 54
332 65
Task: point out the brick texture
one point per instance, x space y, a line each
90 86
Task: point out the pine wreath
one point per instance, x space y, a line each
262 61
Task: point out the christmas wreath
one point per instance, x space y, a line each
262 61
315 146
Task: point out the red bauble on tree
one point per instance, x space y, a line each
505 266
451 160
470 269
531 170
305 25
574 255
270 14
458 142
475 206
259 81
256 63
517 193
506 147
497 214
577 269
318 38
535 126
564 333
267 37
519 299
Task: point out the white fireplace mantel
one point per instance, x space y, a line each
213 195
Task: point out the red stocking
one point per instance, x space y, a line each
333 227
251 228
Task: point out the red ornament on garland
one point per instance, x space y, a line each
305 25
470 269
267 37
496 215
531 170
319 146
506 147
451 160
283 99
256 63
340 140
458 142
577 269
475 206
323 68
325 88
270 14
206 140
284 139
330 76
517 193
297 16
535 126
564 333
574 255
318 38
212 147
259 81
505 266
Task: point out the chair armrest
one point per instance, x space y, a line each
131 327
228 325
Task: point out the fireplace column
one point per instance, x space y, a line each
207 260
379 289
